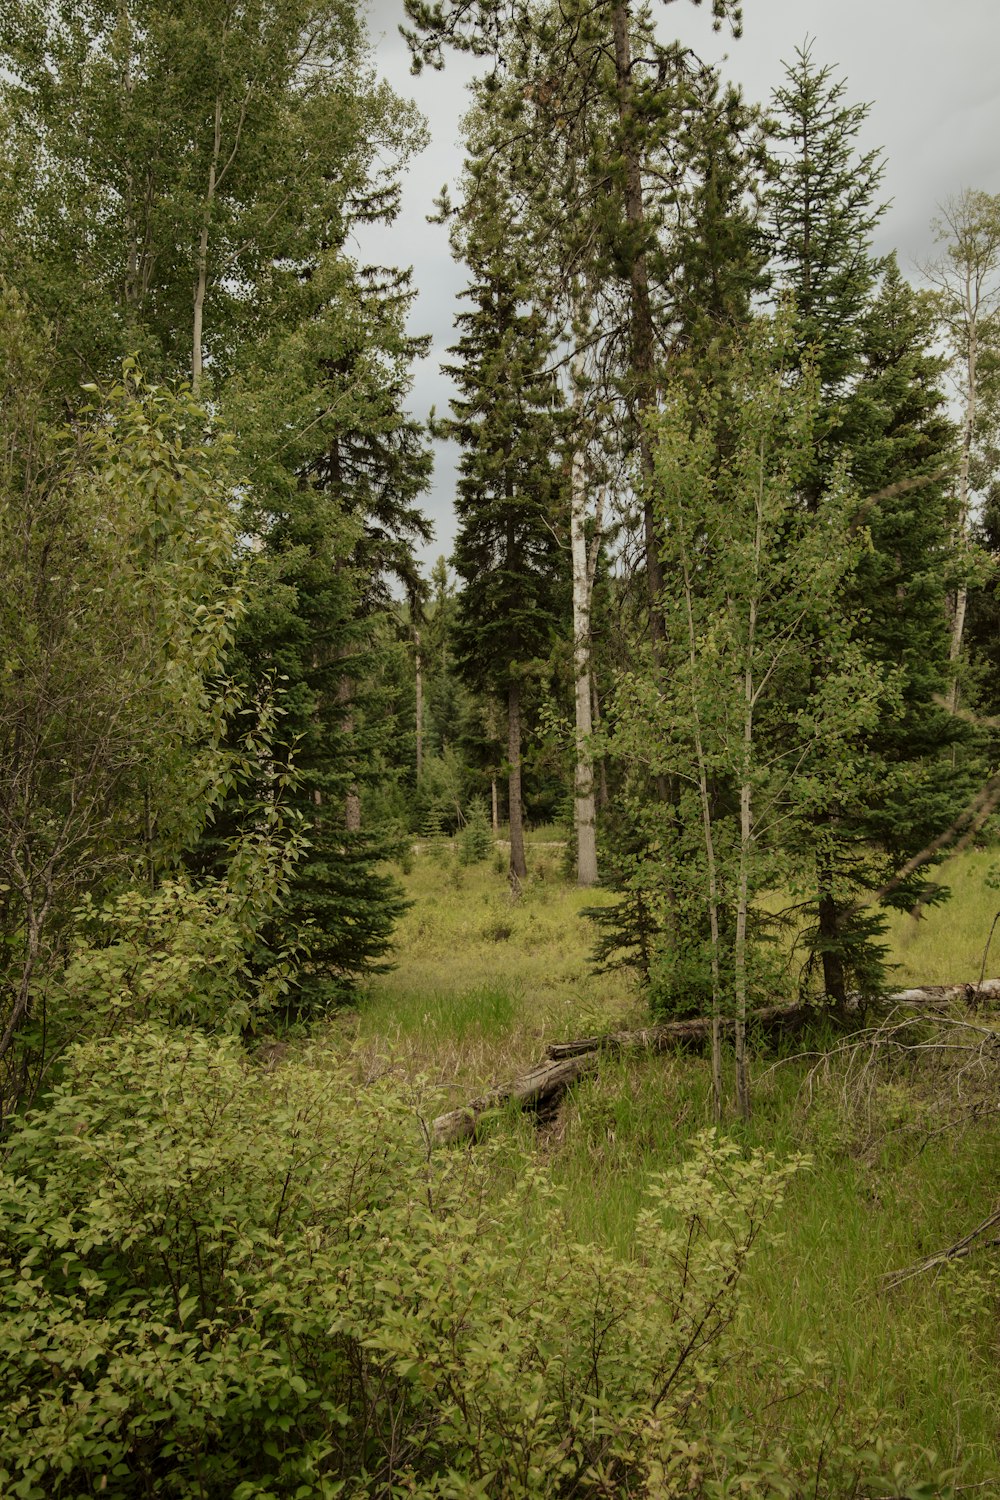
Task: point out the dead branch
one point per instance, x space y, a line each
543 1085
965 1246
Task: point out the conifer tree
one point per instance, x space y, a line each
335 509
880 413
509 489
600 74
902 460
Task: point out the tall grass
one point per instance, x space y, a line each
483 981
946 944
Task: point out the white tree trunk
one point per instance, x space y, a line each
709 833
968 435
584 812
518 867
201 272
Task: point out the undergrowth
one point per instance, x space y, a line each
901 1379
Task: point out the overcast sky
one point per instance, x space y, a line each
928 69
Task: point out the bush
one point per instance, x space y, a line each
218 1282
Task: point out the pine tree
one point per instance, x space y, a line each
600 91
881 414
509 489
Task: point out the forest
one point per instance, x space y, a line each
521 1025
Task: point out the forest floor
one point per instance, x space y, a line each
905 1161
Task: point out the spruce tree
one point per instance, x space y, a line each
902 461
880 414
509 489
335 510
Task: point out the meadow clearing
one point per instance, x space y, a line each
904 1155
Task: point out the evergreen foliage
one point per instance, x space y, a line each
232 151
475 842
882 415
509 492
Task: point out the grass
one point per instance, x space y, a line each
945 944
483 981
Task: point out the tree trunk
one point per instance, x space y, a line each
740 951
643 345
494 807
709 837
584 812
518 867
968 434
746 811
541 1087
352 802
201 271
418 665
603 799
834 979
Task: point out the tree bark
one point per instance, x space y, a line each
746 809
352 802
541 1087
642 339
201 264
968 435
584 810
603 800
828 915
419 669
518 867
708 833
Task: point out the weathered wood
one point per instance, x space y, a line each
540 1086
564 1063
769 1023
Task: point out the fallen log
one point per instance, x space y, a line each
543 1085
537 1089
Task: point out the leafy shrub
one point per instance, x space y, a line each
218 1282
178 954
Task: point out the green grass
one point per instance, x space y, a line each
945 944
483 981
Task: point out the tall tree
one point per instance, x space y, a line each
757 576
966 279
118 608
881 414
598 72
180 154
319 407
509 490
225 151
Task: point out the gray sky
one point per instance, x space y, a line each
928 69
